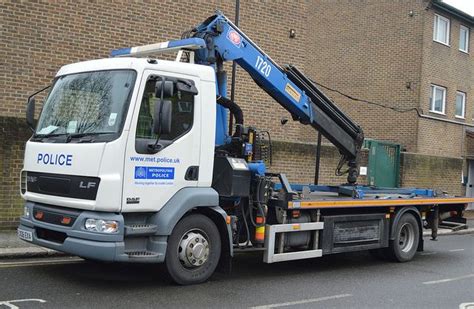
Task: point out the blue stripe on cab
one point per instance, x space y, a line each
190 41
120 52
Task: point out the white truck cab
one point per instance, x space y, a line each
109 103
96 175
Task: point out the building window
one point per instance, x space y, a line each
460 104
441 29
464 39
437 99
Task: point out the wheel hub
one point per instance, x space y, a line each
193 249
407 237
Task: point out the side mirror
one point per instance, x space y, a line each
30 113
162 117
167 86
186 86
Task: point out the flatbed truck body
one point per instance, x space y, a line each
132 160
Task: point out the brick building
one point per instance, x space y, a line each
414 56
382 51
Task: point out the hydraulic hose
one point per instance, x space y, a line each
235 110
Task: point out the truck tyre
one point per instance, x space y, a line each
194 249
407 237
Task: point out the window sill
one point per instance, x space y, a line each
447 120
442 43
460 117
438 113
464 51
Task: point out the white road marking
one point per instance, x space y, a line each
427 253
466 306
8 303
303 301
456 250
449 279
38 263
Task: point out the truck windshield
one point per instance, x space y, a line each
83 104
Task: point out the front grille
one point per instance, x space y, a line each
49 235
23 182
73 186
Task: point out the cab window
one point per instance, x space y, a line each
182 111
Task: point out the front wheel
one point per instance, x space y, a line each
193 251
407 237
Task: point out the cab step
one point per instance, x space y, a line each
142 254
140 229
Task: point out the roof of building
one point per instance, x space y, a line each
443 6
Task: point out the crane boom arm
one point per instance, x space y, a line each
288 86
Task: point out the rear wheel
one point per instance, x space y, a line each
407 237
193 251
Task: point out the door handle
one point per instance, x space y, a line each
192 173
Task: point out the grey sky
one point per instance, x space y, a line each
463 5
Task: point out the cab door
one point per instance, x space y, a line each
152 177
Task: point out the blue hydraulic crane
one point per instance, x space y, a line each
218 40
289 87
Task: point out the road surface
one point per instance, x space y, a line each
440 277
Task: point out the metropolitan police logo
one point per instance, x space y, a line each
140 172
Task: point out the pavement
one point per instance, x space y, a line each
12 247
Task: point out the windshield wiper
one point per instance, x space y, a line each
79 135
74 135
69 136
48 135
41 137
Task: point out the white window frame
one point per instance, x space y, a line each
467 38
463 94
432 104
435 29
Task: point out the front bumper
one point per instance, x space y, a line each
76 240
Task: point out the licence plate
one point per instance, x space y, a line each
25 235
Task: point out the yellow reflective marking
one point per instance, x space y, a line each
374 203
292 92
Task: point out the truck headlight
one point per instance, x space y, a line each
26 212
102 226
